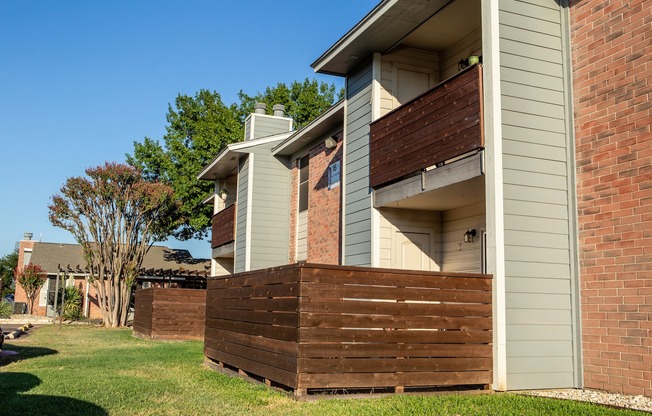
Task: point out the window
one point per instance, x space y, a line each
303 182
27 256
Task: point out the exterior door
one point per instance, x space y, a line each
410 84
413 251
50 285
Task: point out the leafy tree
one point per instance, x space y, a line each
31 279
8 265
115 215
303 101
200 127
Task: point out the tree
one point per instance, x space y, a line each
8 265
303 101
200 127
115 215
31 279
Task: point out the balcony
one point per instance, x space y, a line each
313 327
223 227
437 126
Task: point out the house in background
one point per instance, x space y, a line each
162 266
532 166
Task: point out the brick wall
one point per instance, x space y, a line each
19 294
324 207
612 62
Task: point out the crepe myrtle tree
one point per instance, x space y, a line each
31 278
115 215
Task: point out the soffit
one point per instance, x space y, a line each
425 24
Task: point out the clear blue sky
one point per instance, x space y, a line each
80 81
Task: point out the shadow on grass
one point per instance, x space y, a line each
24 353
13 384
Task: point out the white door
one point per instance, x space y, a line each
410 84
413 251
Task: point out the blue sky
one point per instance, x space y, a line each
80 81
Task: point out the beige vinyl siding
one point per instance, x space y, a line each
222 266
469 45
302 236
241 216
268 126
458 256
357 209
262 125
407 58
393 220
270 210
538 207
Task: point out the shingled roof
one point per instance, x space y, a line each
51 256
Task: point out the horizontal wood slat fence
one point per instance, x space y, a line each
439 125
308 326
170 313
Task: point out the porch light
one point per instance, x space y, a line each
469 235
331 142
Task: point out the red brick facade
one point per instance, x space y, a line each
324 208
612 62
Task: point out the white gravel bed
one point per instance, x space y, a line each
595 396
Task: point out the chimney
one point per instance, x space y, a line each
28 236
258 124
279 110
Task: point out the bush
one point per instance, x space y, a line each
72 304
6 309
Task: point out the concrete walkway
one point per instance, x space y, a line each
25 319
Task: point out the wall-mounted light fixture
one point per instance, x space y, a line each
331 142
469 235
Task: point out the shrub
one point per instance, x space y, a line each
72 304
31 278
6 309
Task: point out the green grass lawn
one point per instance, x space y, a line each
80 370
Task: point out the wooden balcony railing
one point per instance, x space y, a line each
223 227
439 125
310 326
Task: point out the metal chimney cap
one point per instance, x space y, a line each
279 110
259 108
28 236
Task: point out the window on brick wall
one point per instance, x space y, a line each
303 183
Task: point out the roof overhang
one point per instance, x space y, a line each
379 31
227 160
322 125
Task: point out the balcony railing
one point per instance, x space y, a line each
223 227
437 126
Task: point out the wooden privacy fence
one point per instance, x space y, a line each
310 326
169 313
